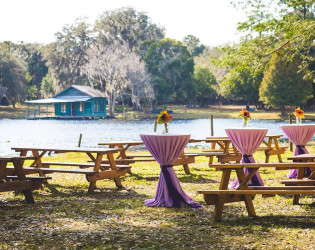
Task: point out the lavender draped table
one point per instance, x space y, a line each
247 141
299 134
166 148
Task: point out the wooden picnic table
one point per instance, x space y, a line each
17 182
246 193
270 145
100 171
310 181
225 152
125 157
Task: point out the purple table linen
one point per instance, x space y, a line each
299 134
166 148
247 141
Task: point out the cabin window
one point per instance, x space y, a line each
81 107
99 106
63 108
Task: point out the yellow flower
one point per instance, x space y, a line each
299 113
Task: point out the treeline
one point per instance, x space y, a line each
129 58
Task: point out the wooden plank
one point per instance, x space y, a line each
182 161
67 150
302 157
289 165
303 182
256 191
106 175
25 185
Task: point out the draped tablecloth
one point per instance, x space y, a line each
166 148
247 141
299 134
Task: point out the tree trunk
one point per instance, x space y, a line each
112 103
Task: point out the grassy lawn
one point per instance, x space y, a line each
66 216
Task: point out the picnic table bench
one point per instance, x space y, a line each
18 182
99 172
270 145
125 157
244 192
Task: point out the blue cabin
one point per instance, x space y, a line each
73 102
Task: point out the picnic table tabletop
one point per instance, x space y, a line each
120 143
302 157
68 149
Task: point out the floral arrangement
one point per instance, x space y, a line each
299 114
164 118
245 115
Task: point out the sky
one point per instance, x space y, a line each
212 21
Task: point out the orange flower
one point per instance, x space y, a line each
299 113
164 117
244 114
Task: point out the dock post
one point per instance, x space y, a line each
211 125
79 144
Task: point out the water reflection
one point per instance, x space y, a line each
66 132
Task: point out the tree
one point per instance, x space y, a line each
282 85
47 86
271 27
240 84
205 85
66 57
193 45
171 66
12 74
128 26
115 69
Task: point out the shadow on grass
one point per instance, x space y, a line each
57 190
195 178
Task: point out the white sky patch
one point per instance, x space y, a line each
212 21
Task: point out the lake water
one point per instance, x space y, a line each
65 133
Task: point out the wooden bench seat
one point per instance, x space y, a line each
269 151
205 154
32 178
22 186
299 182
136 156
32 170
81 165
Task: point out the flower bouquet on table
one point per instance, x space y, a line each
245 115
299 114
164 118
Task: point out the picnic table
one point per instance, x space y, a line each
129 158
18 181
247 193
309 181
270 145
100 171
225 152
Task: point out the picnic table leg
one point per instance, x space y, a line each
112 163
38 162
19 172
98 162
275 140
296 197
248 198
218 208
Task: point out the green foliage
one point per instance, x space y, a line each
171 65
66 57
47 86
240 84
30 92
193 45
128 26
12 73
283 84
205 85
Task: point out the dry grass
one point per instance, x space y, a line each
66 216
